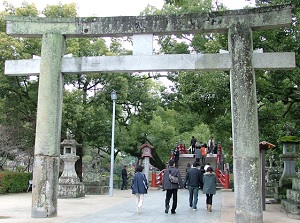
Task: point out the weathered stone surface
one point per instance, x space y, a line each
44 187
204 62
291 209
292 194
296 184
246 157
291 203
95 188
258 18
47 140
70 190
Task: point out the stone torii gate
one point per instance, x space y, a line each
241 61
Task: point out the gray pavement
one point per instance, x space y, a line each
121 208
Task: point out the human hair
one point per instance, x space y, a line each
171 162
188 165
196 164
139 168
209 169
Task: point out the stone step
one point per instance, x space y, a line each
294 195
184 159
291 208
296 184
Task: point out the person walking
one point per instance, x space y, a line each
139 186
206 166
124 178
188 167
203 153
209 187
171 188
202 171
194 182
198 154
211 145
193 145
176 156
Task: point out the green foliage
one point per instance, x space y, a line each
14 182
27 10
60 11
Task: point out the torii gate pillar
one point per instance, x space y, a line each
47 140
246 159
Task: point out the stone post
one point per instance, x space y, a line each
48 128
246 159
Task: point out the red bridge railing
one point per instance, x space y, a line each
157 178
223 178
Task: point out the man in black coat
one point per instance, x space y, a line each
194 182
171 188
124 178
193 145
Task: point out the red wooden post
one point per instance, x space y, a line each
226 186
154 179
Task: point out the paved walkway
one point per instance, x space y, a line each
121 208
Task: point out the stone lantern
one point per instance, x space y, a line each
288 190
289 156
69 185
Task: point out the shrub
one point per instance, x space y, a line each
14 182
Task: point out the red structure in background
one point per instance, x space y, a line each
182 148
219 154
222 176
157 178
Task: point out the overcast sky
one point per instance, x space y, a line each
103 8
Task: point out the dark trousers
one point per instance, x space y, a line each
203 160
169 194
193 149
193 198
124 184
176 162
209 198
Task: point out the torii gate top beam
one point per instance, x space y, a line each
256 18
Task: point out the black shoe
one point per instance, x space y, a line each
173 212
167 209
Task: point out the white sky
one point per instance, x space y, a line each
104 8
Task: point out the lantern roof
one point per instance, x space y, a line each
266 145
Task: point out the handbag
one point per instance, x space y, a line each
145 182
173 179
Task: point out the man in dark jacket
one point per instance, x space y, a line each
193 145
194 182
124 178
176 156
171 188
